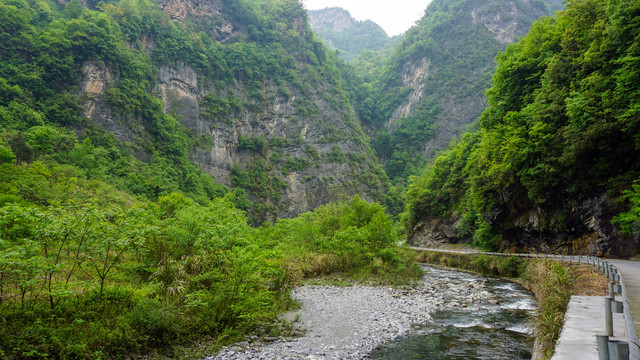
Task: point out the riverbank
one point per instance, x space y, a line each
552 282
350 322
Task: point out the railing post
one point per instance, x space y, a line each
603 346
608 317
617 289
612 294
618 350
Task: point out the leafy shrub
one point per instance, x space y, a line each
485 237
253 143
157 324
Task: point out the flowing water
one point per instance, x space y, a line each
479 331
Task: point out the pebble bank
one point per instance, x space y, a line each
350 322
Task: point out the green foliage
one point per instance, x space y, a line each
556 283
485 237
295 164
558 126
41 116
630 220
349 237
87 271
6 154
252 143
511 266
335 155
214 108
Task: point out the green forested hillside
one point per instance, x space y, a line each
95 88
557 144
431 86
41 117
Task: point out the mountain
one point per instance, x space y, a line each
140 140
553 166
157 98
350 37
432 86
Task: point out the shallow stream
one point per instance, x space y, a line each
494 329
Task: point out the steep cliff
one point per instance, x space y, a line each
241 89
350 37
290 142
434 82
553 165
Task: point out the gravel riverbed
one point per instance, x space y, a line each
350 322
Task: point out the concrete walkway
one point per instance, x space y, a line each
583 320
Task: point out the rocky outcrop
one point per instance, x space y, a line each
501 24
350 37
579 226
178 87
180 9
413 75
290 147
334 19
437 232
96 79
205 15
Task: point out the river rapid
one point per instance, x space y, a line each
449 315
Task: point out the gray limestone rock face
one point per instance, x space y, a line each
334 19
313 148
580 226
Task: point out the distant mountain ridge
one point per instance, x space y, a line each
340 31
333 19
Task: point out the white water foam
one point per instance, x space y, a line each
522 304
522 329
473 324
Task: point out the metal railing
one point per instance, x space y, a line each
609 348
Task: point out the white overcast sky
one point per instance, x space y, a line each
395 16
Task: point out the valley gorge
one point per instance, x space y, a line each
175 175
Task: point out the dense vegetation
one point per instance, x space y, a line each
561 123
458 53
87 271
41 117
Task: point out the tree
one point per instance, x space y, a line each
115 231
